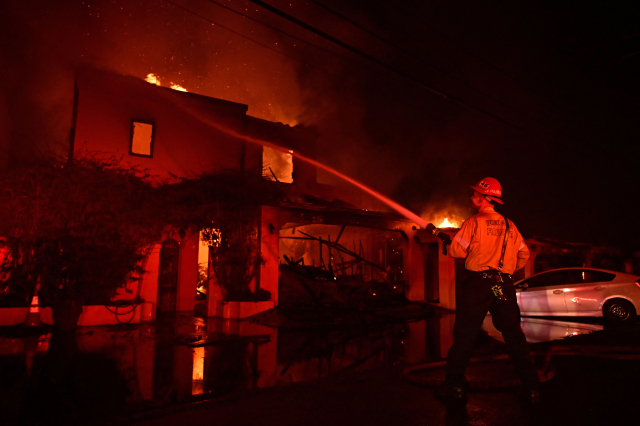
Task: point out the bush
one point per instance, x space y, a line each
81 228
78 228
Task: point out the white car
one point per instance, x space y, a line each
580 292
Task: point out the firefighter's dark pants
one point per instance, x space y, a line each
474 299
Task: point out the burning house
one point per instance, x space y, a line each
174 134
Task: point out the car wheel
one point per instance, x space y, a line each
619 310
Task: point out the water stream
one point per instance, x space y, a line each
395 206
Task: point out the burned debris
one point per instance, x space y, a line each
341 279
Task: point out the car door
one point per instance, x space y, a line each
586 291
544 294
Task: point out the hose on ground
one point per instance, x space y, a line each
131 305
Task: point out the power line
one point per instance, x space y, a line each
306 64
285 33
348 59
384 65
348 47
442 94
340 78
406 52
255 41
461 47
380 63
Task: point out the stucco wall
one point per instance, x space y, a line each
189 132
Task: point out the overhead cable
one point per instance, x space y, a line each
250 39
381 63
412 55
285 33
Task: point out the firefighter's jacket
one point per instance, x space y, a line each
480 240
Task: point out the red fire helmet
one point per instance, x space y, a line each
489 187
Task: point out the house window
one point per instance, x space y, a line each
141 139
277 165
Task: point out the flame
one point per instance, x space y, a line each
447 217
153 79
178 87
198 371
277 165
446 224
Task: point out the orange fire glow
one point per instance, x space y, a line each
155 79
198 371
445 223
450 216
277 165
178 87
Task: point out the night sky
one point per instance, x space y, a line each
430 97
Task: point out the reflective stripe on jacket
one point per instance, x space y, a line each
480 240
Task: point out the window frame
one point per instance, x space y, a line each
272 176
610 276
153 137
546 274
567 282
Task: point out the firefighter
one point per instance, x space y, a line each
488 288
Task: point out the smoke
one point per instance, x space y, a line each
364 130
375 126
45 43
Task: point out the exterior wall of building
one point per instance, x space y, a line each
188 272
189 130
447 280
439 270
149 284
414 271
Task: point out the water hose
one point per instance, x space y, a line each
132 304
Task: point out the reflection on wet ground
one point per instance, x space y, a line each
102 372
544 330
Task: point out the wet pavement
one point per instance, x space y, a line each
278 371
